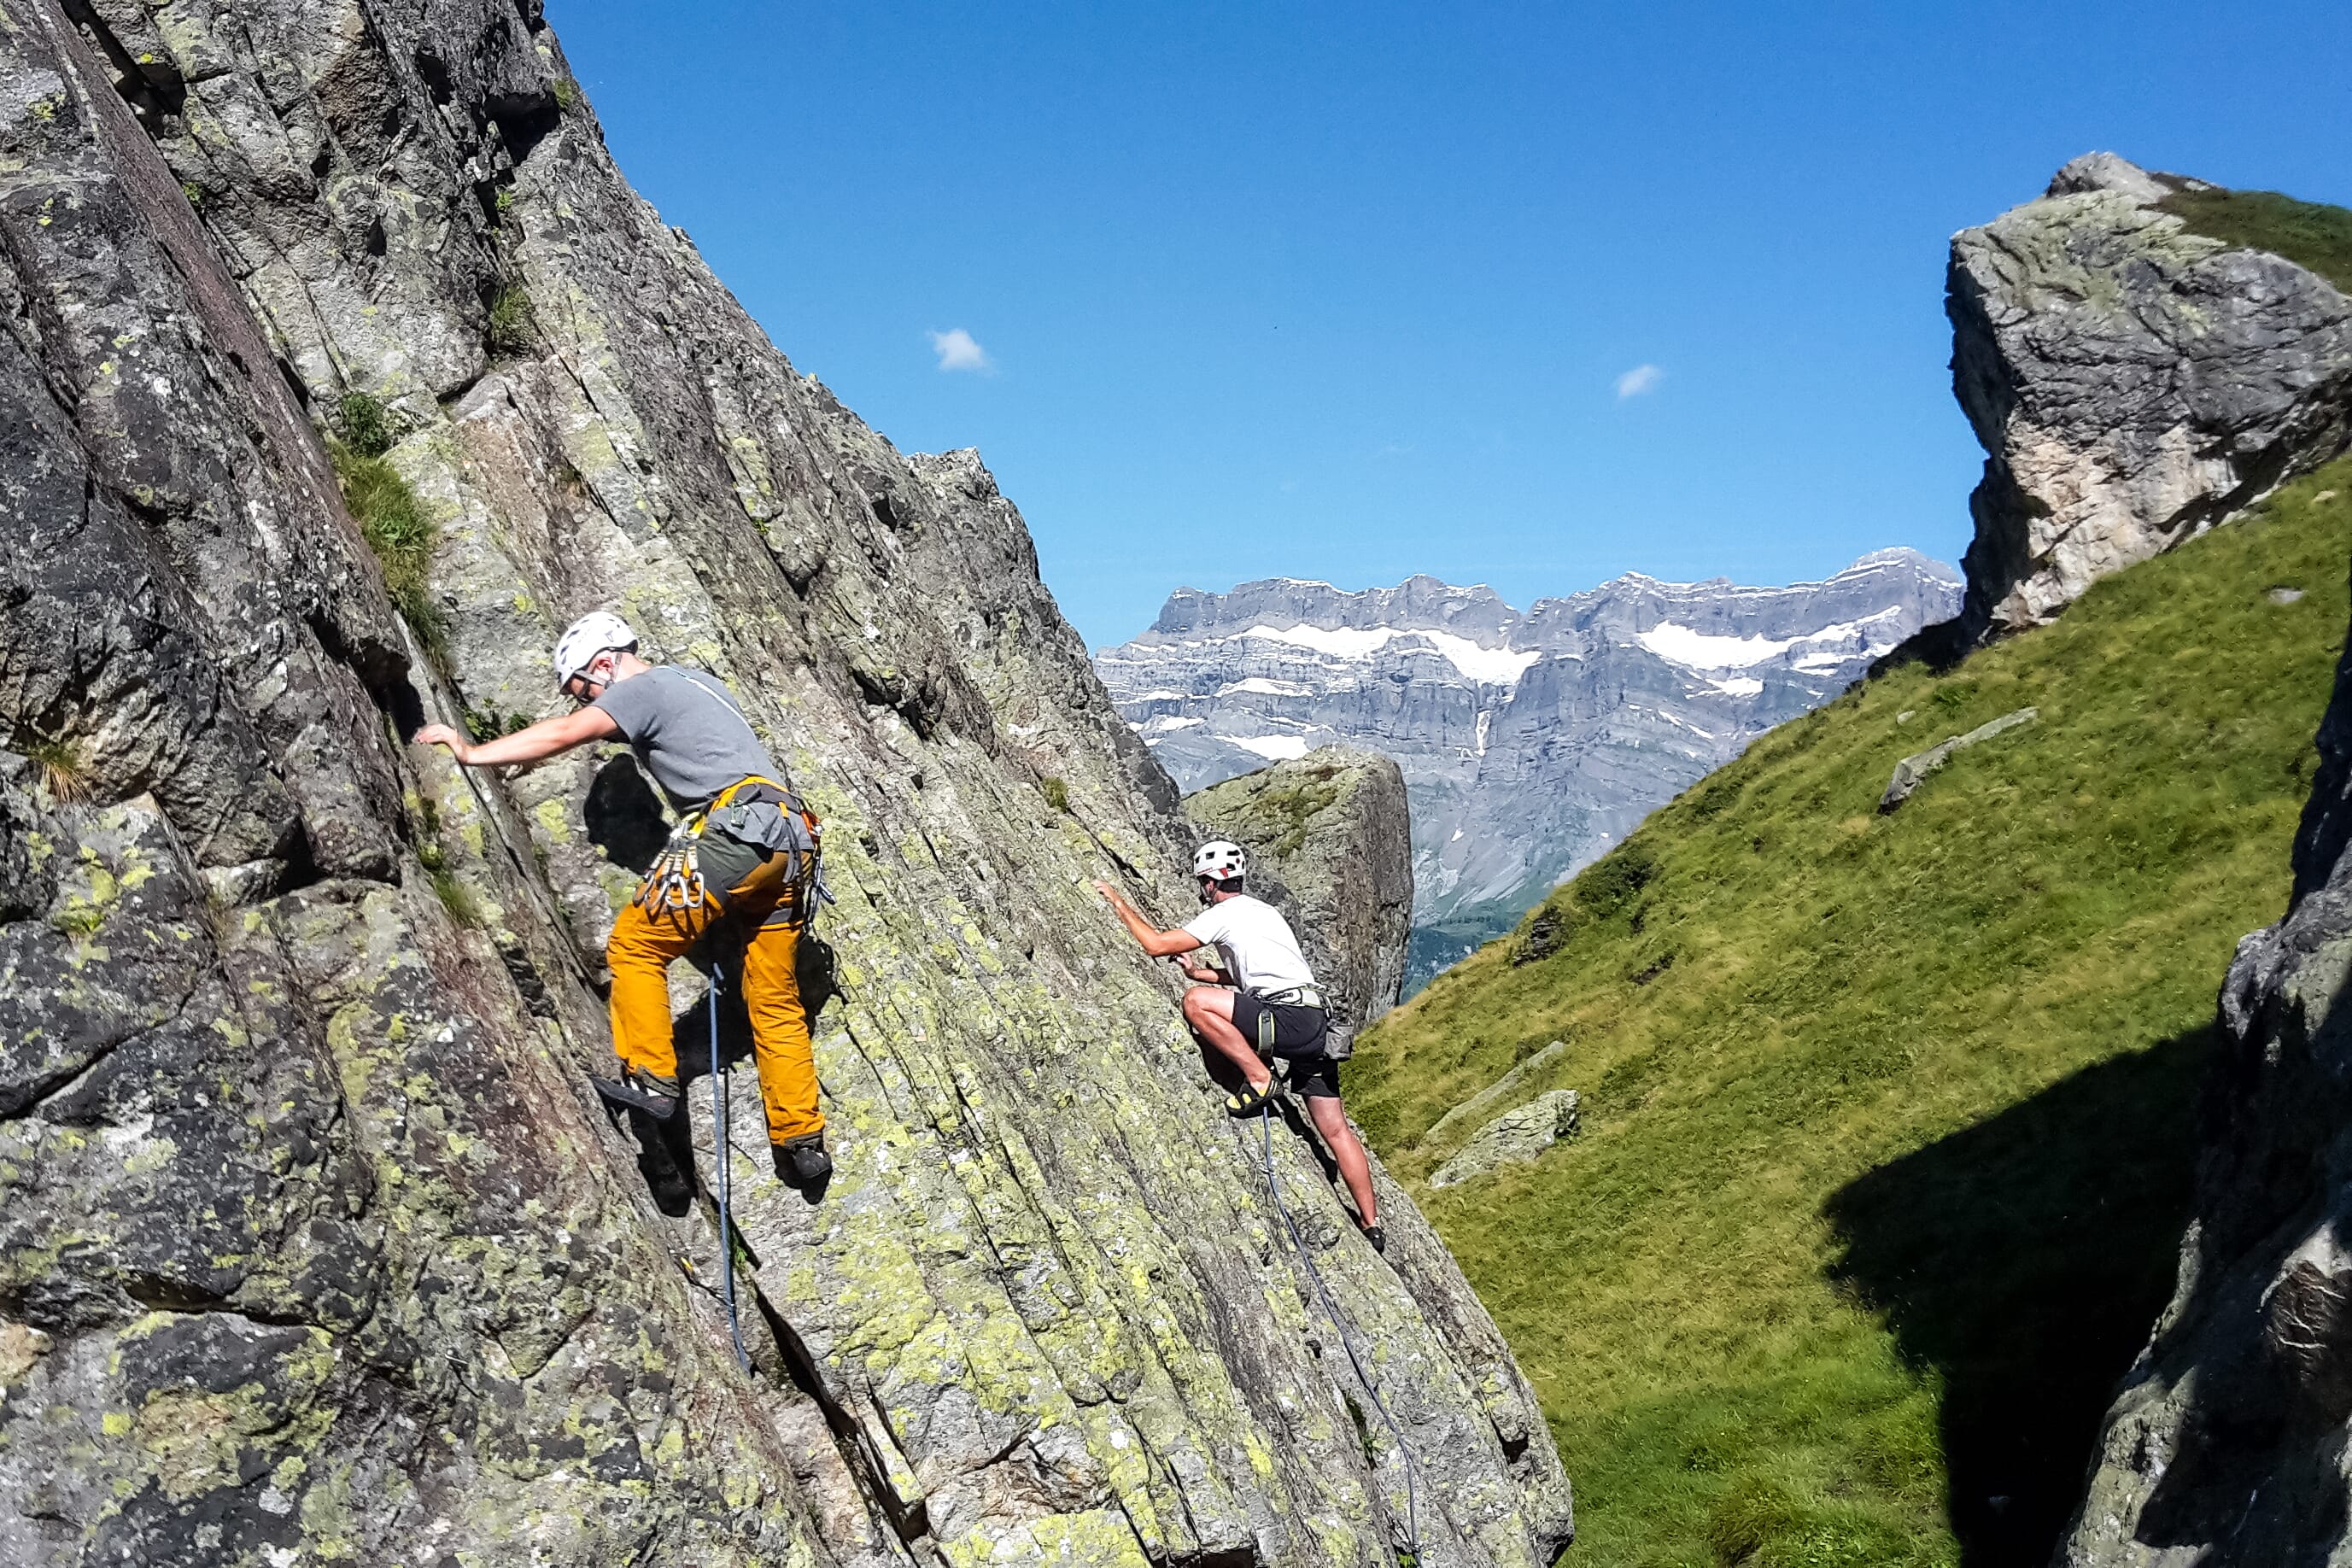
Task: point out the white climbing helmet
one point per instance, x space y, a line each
1220 860
593 632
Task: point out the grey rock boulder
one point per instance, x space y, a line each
2132 382
1330 845
1495 1093
1515 1137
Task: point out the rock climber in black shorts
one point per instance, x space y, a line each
1264 1003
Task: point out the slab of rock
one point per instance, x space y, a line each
1330 845
1913 770
1515 1136
2133 384
2225 1446
1495 1093
313 1242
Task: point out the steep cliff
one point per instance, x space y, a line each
1330 845
1530 741
2140 361
313 1243
2227 1443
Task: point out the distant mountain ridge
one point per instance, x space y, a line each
1530 741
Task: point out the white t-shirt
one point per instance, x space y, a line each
1256 943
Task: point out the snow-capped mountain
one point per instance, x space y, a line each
1531 743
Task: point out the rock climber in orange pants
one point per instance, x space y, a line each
746 855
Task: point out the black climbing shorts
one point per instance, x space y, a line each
1297 1031
1313 1078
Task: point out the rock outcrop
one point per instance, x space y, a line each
2226 1446
1518 1135
1330 845
2132 381
1531 743
314 1246
1915 770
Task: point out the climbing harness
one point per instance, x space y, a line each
758 811
1412 1492
721 1145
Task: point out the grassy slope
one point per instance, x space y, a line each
2311 235
1889 1118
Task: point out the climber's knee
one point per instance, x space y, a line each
1202 1002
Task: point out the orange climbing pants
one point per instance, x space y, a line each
640 951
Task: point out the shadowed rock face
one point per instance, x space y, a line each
2132 382
2227 1444
312 1241
1330 845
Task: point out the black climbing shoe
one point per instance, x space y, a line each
1377 1236
1252 1101
634 1090
803 1159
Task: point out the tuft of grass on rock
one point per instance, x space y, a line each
65 767
513 330
2311 235
402 533
366 425
1883 1181
1057 794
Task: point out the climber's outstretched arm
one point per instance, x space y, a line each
534 744
1150 938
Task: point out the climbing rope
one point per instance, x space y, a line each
721 1145
1274 1190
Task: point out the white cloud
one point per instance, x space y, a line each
1642 378
959 350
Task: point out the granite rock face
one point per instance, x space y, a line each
314 1244
1531 743
2226 1444
1330 845
2133 384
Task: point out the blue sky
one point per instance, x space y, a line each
1352 291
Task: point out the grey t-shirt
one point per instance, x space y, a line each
687 730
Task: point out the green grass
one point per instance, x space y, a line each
513 330
2309 234
1888 1119
401 532
64 766
1056 792
366 425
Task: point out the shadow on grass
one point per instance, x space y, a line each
2024 1260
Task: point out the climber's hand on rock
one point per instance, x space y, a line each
442 735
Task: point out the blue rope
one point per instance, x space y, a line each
722 1145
